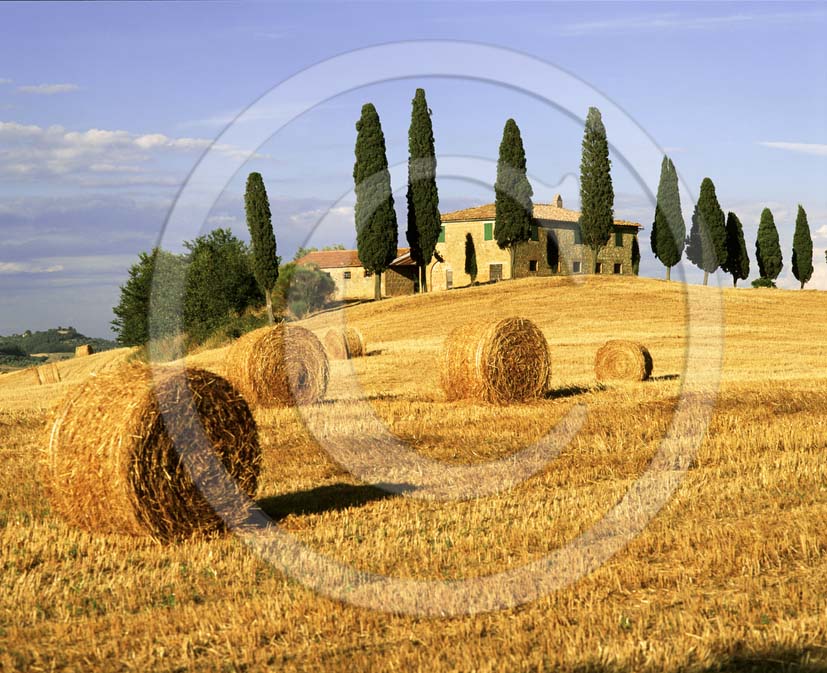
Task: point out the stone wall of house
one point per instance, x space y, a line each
399 280
533 258
351 283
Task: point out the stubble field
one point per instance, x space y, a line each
729 575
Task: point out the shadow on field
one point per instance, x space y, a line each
572 391
331 498
780 660
665 377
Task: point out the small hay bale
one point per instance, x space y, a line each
344 343
85 349
47 374
279 366
497 361
122 445
621 360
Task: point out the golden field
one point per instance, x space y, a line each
731 574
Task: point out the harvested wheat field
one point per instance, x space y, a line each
730 574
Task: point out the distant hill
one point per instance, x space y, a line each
18 348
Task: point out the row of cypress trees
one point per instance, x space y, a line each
715 241
376 226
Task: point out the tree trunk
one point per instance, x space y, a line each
268 296
706 277
377 286
735 281
802 285
423 278
668 273
512 251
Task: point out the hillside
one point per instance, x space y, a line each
728 575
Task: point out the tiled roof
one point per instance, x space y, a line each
542 211
337 259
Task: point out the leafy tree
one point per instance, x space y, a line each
763 282
470 257
706 244
767 247
513 192
424 220
552 250
132 314
219 283
802 249
737 259
668 228
304 288
596 191
265 262
376 231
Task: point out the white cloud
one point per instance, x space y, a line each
27 267
48 89
5 80
678 21
821 232
818 149
27 150
223 220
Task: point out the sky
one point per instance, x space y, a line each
106 111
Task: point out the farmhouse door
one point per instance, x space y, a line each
449 279
495 271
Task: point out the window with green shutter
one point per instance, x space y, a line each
535 233
618 239
489 231
578 235
442 234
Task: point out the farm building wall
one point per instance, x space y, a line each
555 250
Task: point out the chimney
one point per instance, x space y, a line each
557 201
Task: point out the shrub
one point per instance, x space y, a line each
763 282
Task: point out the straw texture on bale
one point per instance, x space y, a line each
85 349
344 343
621 360
279 366
498 361
47 374
168 455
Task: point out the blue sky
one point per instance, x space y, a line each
105 109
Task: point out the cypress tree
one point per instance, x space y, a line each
596 191
424 221
767 247
376 232
668 228
265 262
802 249
636 257
470 257
737 259
706 245
513 192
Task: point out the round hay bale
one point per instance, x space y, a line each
621 360
344 343
497 361
279 366
85 349
128 451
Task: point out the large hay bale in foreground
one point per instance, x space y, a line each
129 453
279 366
85 349
344 343
621 360
497 361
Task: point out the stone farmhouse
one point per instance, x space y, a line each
353 281
555 248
